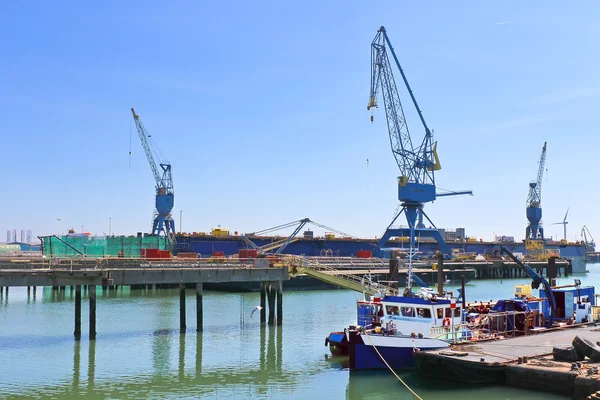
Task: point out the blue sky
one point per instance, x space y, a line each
261 109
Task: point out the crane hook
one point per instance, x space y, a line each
372 119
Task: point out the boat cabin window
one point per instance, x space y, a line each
440 313
457 312
448 312
423 312
392 310
407 311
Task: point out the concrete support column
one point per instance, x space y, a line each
28 290
279 302
199 321
182 325
92 312
271 300
263 303
77 331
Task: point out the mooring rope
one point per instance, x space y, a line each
390 368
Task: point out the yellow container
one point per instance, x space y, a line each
434 266
522 291
219 232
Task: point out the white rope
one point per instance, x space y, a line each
390 368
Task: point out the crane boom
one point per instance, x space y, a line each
535 188
164 181
416 164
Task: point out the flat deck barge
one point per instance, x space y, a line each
525 362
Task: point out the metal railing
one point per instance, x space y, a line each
326 271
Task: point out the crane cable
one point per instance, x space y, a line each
390 368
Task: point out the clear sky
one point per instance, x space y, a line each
261 109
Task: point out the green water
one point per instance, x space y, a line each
140 353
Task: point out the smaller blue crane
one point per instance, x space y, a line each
534 203
165 196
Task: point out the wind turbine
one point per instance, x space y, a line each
564 224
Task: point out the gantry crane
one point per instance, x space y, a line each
535 230
162 221
416 183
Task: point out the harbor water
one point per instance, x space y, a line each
140 353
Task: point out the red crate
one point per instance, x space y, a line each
364 254
218 254
164 254
252 253
242 253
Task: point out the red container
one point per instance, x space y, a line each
218 254
152 253
243 253
164 254
252 253
364 254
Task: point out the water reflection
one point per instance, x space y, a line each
203 379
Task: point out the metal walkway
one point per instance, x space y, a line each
328 269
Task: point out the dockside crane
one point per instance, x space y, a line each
416 183
588 240
165 196
535 230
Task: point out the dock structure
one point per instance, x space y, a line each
109 274
524 362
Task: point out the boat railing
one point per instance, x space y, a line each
486 326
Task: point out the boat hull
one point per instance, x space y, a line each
368 352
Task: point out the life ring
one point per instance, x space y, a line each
446 323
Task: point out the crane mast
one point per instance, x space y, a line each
534 229
416 183
162 221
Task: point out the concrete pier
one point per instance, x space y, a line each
76 274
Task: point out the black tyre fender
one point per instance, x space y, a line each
584 347
595 358
565 354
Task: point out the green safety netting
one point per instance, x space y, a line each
102 246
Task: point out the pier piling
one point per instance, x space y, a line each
92 312
263 303
182 326
279 286
199 317
271 300
77 331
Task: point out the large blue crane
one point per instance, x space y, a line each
165 197
416 183
534 202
